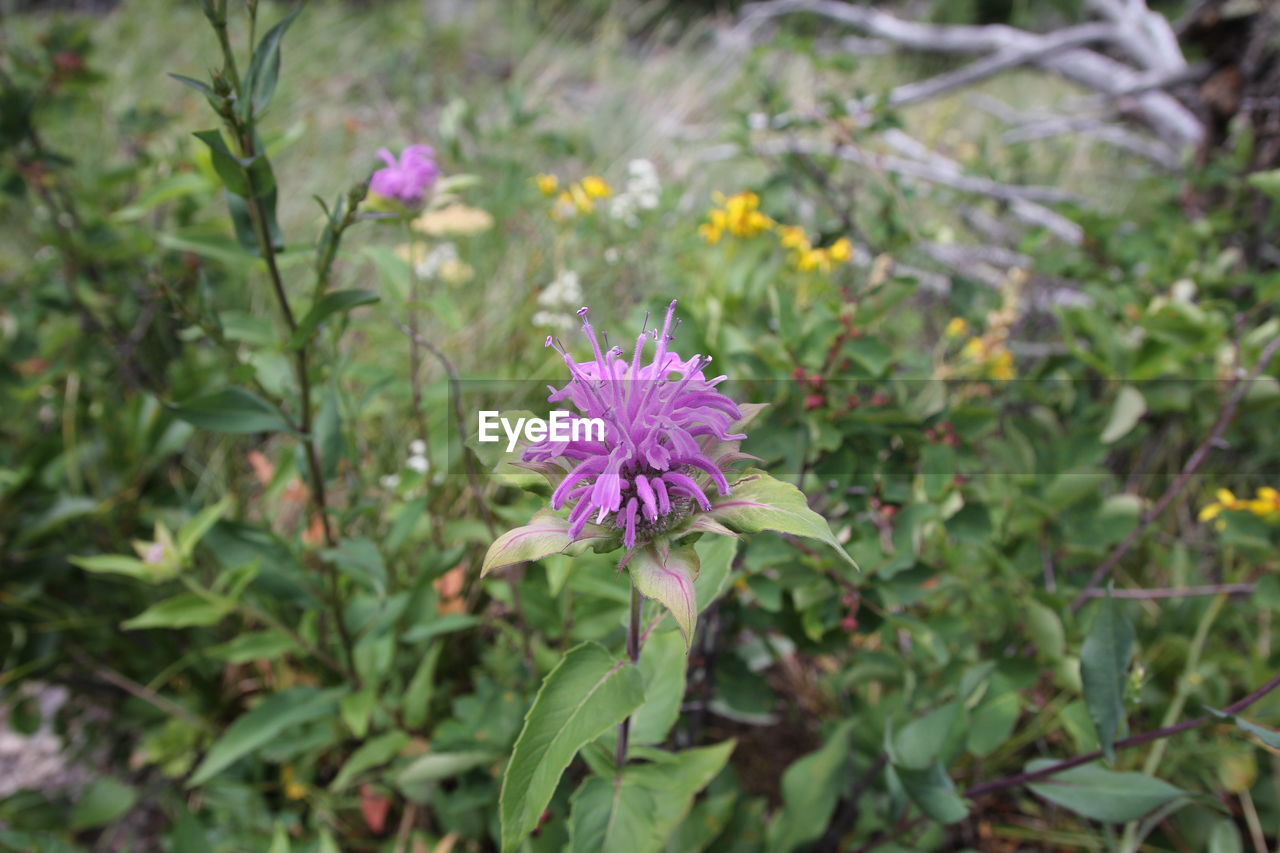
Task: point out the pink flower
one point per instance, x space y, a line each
406 180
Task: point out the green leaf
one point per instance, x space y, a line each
638 811
435 766
1129 408
371 754
662 666
1104 666
102 802
114 564
188 835
279 840
359 559
1046 630
1270 737
228 166
199 85
326 306
1094 792
715 556
356 708
1225 837
232 410
417 695
545 534
758 502
810 788
181 611
666 575
587 692
194 529
933 792
1266 182
609 814
264 68
260 645
265 723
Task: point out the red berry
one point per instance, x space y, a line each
814 401
849 624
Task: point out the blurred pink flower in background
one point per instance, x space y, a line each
406 180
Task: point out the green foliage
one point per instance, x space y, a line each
241 520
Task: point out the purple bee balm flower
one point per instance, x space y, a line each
406 180
661 420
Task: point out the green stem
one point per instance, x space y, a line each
633 652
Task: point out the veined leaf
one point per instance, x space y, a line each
758 502
637 811
545 534
666 575
809 793
587 692
1104 666
1094 792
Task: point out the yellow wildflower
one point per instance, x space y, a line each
793 237
841 251
713 229
595 187
975 348
547 184
956 327
1266 503
454 219
293 789
743 216
813 259
1225 500
1001 366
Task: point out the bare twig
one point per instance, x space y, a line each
1126 743
1176 592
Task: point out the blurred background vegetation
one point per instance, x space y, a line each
988 408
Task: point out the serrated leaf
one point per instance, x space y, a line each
1094 792
1104 667
232 410
545 534
758 502
637 811
587 692
666 575
264 723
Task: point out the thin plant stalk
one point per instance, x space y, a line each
633 652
